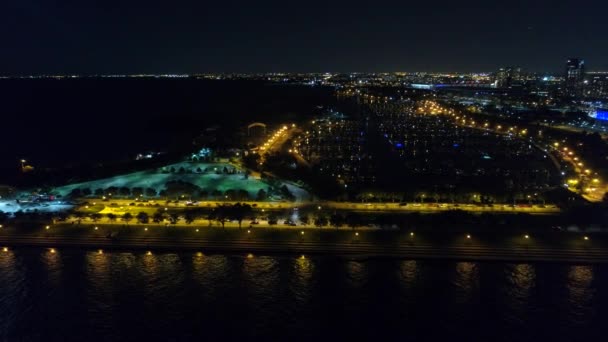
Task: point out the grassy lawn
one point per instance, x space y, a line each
209 180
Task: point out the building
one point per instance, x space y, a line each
506 77
596 85
574 77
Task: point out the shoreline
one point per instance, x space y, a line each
413 250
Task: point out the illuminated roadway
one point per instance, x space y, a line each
352 206
466 250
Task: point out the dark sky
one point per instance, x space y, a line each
189 36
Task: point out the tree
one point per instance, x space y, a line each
127 217
111 217
151 192
239 211
18 214
79 215
95 217
336 220
320 221
230 194
287 194
174 217
3 217
304 219
181 170
98 192
216 193
262 195
353 220
190 216
124 191
180 188
142 217
222 213
243 195
137 191
211 216
111 190
158 217
86 192
75 193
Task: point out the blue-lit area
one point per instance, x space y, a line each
601 114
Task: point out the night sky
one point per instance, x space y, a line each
190 36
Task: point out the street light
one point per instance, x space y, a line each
526 236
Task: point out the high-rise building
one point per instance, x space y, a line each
507 76
574 78
596 85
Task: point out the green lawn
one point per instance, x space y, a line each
208 181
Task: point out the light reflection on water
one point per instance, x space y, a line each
409 272
581 292
190 295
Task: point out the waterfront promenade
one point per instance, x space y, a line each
424 244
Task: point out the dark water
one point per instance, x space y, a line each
74 295
51 122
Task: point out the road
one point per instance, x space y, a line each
124 204
465 251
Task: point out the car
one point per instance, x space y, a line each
402 204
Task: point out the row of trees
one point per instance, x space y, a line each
222 214
178 188
181 170
113 190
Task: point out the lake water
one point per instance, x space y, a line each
84 295
52 122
